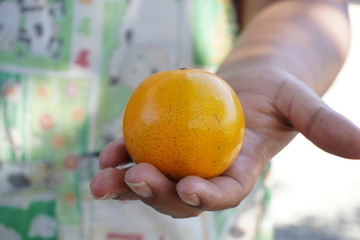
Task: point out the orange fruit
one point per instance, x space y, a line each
184 122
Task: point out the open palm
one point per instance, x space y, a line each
277 106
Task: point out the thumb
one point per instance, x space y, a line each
323 126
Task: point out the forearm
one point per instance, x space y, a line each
307 39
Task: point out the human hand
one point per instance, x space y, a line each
276 105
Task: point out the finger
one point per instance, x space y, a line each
109 184
157 191
114 154
223 192
319 123
333 133
229 189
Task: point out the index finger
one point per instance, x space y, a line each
114 154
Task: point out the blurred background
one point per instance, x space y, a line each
317 195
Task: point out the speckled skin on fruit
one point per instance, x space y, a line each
184 122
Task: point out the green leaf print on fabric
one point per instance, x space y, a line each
113 95
13 116
69 196
37 222
213 31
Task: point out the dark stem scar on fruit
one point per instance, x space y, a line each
182 68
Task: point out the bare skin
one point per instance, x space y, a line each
286 58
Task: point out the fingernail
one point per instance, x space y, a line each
192 199
142 189
100 167
107 196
